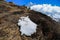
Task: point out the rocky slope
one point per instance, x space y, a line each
47 28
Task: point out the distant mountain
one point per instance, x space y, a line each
47 29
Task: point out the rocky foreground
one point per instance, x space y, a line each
47 28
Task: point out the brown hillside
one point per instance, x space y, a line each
47 28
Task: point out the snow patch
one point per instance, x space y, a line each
27 27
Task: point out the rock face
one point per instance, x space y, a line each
47 28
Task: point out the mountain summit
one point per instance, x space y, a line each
47 28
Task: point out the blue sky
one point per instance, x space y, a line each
25 2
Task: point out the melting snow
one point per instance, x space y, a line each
27 26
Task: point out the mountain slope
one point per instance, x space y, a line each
47 28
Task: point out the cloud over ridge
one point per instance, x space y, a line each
48 9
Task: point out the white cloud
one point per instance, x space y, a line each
27 26
48 9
